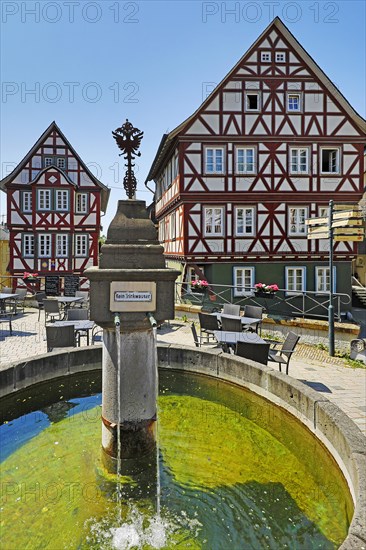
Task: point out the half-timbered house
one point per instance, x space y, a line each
54 206
267 149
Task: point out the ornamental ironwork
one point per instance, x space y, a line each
128 140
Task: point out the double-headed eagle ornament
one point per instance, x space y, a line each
128 140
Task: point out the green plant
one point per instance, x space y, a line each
322 346
184 318
355 363
269 336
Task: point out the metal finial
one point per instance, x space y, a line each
128 140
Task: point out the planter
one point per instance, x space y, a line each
267 295
31 280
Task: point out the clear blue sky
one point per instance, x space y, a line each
91 65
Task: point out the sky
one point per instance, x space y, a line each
89 65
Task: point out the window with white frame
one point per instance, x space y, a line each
280 57
330 161
162 230
293 102
266 57
322 279
213 221
244 221
252 101
48 161
245 160
243 280
62 248
44 246
214 160
81 203
61 162
323 211
62 200
299 160
193 276
297 217
44 199
28 246
27 201
81 245
172 226
295 279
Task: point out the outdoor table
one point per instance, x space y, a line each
68 301
80 326
231 338
3 298
245 321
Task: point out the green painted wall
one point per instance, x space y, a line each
274 272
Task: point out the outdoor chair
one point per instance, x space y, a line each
5 318
51 310
40 296
231 309
196 339
85 302
283 355
60 337
7 290
254 352
77 314
208 323
97 334
254 312
229 324
19 301
10 304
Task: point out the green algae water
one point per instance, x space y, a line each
236 473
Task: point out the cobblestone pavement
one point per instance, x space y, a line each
330 376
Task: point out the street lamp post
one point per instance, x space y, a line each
331 307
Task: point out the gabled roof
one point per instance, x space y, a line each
53 126
168 140
51 169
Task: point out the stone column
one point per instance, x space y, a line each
130 258
137 392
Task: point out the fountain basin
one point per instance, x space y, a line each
325 420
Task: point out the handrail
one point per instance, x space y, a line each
283 303
357 282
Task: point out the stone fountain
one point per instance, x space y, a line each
131 292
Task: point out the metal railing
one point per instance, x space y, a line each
282 304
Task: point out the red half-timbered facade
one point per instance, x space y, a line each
267 149
54 206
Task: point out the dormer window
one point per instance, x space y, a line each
266 57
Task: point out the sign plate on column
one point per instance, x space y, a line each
131 296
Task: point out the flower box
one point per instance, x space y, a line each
262 294
263 290
199 285
30 277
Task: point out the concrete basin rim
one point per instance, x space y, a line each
76 361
